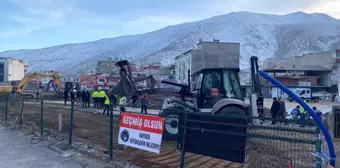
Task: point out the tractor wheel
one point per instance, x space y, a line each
232 111
171 122
236 115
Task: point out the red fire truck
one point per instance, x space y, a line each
94 81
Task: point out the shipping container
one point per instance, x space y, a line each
207 55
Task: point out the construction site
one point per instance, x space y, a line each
201 100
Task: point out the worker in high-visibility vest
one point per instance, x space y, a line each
95 95
101 98
303 116
122 103
106 105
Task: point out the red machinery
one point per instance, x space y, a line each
94 81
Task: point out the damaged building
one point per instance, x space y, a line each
319 71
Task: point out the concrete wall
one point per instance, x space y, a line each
217 55
324 59
183 64
295 82
207 55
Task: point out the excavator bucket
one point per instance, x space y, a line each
127 86
123 89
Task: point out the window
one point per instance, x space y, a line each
232 86
211 80
337 54
197 82
308 91
302 92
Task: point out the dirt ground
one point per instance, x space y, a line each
93 128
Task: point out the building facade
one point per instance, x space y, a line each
328 59
319 71
11 69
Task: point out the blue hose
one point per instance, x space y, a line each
310 111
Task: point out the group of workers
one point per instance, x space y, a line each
101 99
299 114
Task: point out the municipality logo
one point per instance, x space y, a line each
124 135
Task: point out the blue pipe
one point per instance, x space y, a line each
310 111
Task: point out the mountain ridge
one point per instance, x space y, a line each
259 34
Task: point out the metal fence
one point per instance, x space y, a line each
247 142
204 141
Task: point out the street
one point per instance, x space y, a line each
18 152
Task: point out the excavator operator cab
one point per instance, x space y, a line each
214 84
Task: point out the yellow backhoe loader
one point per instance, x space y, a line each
20 86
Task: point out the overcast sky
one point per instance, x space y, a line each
42 23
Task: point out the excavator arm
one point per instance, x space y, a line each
126 85
256 95
23 83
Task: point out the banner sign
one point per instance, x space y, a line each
141 131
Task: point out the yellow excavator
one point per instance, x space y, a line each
20 86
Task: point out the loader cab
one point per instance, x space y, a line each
214 84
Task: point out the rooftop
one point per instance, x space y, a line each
298 68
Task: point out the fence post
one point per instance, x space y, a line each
184 127
111 130
318 147
22 111
71 123
60 122
42 117
6 109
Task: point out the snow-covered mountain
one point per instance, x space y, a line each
262 35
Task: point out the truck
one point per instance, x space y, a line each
306 93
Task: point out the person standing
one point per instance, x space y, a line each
106 105
113 99
95 99
84 98
303 117
88 98
122 103
144 104
282 113
134 100
79 96
101 98
37 94
317 112
73 94
14 92
65 97
275 109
